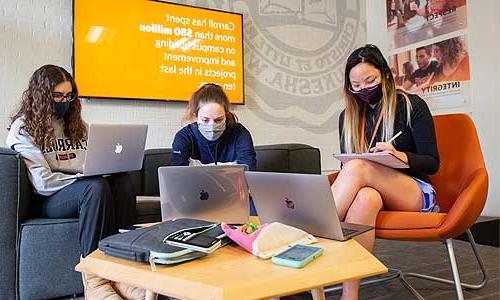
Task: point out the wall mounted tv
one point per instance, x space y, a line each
154 50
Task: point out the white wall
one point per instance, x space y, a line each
34 33
483 28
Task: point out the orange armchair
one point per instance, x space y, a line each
461 186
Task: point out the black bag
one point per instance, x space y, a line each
147 245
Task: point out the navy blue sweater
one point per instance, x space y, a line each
235 144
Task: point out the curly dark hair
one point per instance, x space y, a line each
37 107
451 49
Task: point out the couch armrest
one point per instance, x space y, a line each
15 192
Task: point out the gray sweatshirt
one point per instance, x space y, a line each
46 167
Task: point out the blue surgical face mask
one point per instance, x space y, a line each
61 108
212 131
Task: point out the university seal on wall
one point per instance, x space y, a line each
294 57
295 53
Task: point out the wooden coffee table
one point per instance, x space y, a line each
232 273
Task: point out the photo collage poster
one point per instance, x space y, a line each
430 55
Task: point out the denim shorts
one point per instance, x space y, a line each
428 196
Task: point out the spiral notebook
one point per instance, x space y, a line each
385 158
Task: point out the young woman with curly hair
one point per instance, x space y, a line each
49 133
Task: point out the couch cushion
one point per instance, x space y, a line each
153 159
48 253
305 160
148 209
272 160
288 158
135 178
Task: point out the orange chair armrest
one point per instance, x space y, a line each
468 206
332 177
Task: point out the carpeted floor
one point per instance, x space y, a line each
429 258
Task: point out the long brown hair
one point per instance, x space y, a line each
37 107
208 93
352 135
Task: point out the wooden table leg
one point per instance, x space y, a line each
318 294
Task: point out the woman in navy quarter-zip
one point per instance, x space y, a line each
235 145
214 136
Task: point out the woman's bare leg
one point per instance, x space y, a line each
399 191
360 191
364 210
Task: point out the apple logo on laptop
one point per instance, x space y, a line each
118 148
289 203
204 195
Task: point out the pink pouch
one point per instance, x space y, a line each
269 239
241 238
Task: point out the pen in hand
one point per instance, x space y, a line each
374 149
394 137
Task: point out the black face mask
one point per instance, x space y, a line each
369 95
61 108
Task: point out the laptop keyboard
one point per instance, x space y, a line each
347 231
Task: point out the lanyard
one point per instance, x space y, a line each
363 121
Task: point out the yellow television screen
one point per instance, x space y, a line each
154 50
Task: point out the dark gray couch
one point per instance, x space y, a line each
39 254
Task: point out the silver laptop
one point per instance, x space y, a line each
113 148
212 193
304 201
